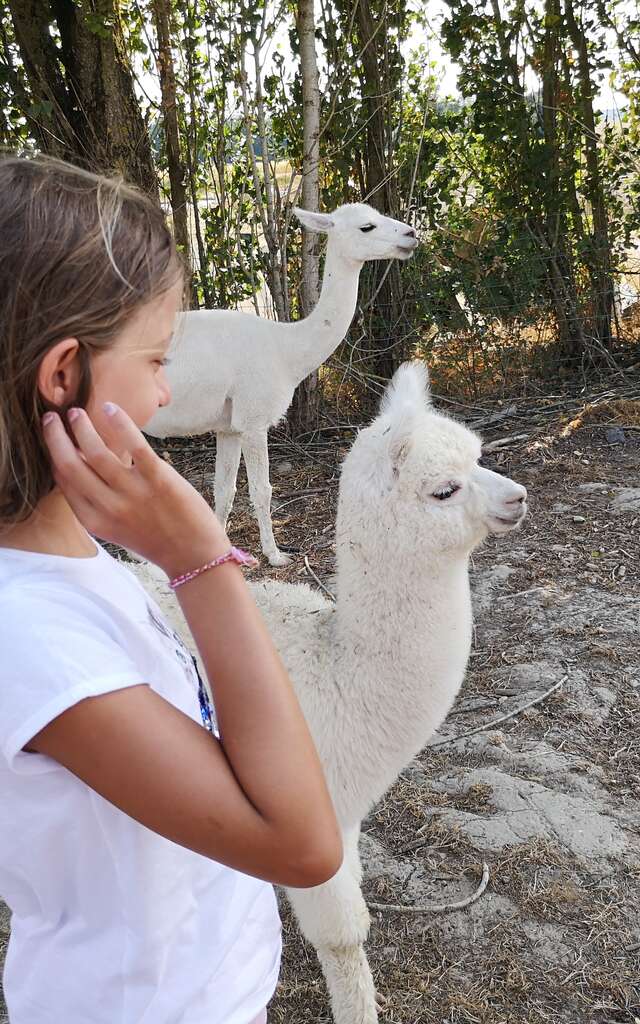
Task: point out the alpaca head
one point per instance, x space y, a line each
412 483
361 233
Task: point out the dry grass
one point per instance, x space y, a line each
625 412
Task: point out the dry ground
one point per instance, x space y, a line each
550 798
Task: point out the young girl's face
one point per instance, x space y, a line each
131 372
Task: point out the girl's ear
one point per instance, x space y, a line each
59 373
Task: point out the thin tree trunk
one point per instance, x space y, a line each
263 188
175 163
192 163
311 151
559 268
272 236
53 125
19 86
600 268
385 307
304 410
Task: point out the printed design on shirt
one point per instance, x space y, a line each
190 666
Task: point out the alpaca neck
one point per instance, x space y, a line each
402 634
318 335
405 627
375 600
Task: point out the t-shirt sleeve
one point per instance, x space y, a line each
54 652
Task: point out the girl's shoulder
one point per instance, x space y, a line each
67 632
43 583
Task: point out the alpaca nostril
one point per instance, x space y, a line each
410 233
520 500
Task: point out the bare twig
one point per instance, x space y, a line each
494 417
503 718
303 494
504 442
438 908
318 581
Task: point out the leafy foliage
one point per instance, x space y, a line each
526 198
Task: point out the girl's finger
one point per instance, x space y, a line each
96 451
70 469
127 436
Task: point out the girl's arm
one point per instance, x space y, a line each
256 800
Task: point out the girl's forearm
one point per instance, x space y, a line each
263 731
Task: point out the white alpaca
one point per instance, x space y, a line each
235 373
377 672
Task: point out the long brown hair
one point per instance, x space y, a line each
79 254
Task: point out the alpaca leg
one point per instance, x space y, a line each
228 448
348 977
256 458
334 917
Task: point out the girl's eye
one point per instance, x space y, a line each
446 492
162 362
368 227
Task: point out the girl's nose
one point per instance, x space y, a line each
164 391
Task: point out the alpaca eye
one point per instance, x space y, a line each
446 492
369 227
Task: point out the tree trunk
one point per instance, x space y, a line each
272 263
311 152
559 266
385 307
90 112
600 262
175 164
19 92
53 125
192 161
304 410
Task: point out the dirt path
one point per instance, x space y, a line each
550 798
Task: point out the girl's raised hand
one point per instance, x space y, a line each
141 502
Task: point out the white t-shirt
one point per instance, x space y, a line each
111 923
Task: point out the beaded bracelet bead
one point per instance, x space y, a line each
233 555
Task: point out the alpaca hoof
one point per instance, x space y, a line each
278 559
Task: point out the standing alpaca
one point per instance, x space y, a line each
235 373
377 672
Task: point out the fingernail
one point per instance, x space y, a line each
48 418
110 409
73 415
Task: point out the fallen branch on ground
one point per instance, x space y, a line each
503 718
504 442
318 581
438 908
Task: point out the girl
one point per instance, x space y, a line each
136 841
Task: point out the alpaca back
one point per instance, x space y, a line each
219 362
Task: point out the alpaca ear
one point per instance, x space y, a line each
399 437
406 397
409 388
320 222
400 445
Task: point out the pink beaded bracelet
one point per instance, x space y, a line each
233 555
